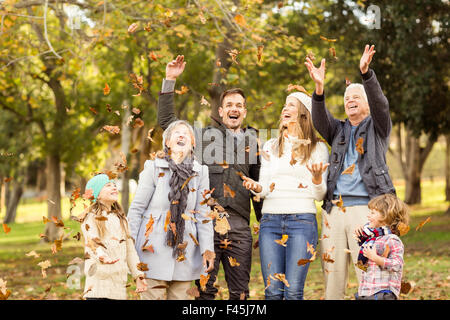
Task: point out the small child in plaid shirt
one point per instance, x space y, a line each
381 253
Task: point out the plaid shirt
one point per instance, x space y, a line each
389 277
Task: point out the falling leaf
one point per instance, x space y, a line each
93 110
260 52
136 110
4 292
402 228
339 203
106 89
141 266
327 258
240 20
204 102
152 55
203 281
186 217
281 277
112 129
33 254
225 243
386 251
268 104
301 186
311 56
423 223
149 135
202 17
161 174
333 53
347 82
167 221
283 240
6 229
310 248
407 287
6 180
76 260
255 228
138 122
298 88
272 186
359 145
77 236
349 170
148 248
149 226
233 262
222 226
347 251
183 90
224 165
194 239
324 236
228 192
326 39
187 181
133 27
233 54
44 265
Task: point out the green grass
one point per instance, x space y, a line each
427 262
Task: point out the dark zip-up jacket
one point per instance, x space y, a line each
374 129
215 148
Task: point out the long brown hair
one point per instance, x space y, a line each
305 130
97 208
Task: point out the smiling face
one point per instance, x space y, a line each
180 140
376 219
356 107
289 113
109 193
233 111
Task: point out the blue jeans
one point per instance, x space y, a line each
300 228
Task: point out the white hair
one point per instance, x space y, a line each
168 132
356 85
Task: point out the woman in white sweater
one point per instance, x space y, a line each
293 175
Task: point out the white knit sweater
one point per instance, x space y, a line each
286 196
108 280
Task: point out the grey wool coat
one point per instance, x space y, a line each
151 199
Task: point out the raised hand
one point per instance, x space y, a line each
250 184
317 169
317 74
175 67
366 58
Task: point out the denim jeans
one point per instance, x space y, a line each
275 258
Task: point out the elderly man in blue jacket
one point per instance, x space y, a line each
357 171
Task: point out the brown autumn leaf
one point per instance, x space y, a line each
333 53
148 248
6 229
297 87
233 262
33 254
301 186
193 292
349 170
327 258
106 89
187 181
112 129
255 228
186 217
77 236
149 226
167 221
347 82
311 56
222 226
136 110
228 192
138 122
233 54
183 90
133 27
339 203
141 266
326 39
225 243
240 20
283 240
386 251
161 174
359 145
268 104
6 180
260 52
203 281
152 55
325 221
402 228
272 186
407 287
194 239
44 266
421 224
281 277
173 227
93 110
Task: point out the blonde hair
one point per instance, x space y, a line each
97 208
393 210
305 130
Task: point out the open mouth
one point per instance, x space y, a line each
352 106
181 143
233 116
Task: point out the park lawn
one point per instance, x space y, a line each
427 262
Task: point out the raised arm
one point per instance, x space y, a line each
378 103
323 121
166 105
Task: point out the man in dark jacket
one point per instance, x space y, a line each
357 171
229 151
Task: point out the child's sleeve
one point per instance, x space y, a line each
133 260
92 242
394 260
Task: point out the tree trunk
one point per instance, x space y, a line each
415 160
54 194
14 198
447 169
125 147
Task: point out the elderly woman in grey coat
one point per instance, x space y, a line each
169 220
